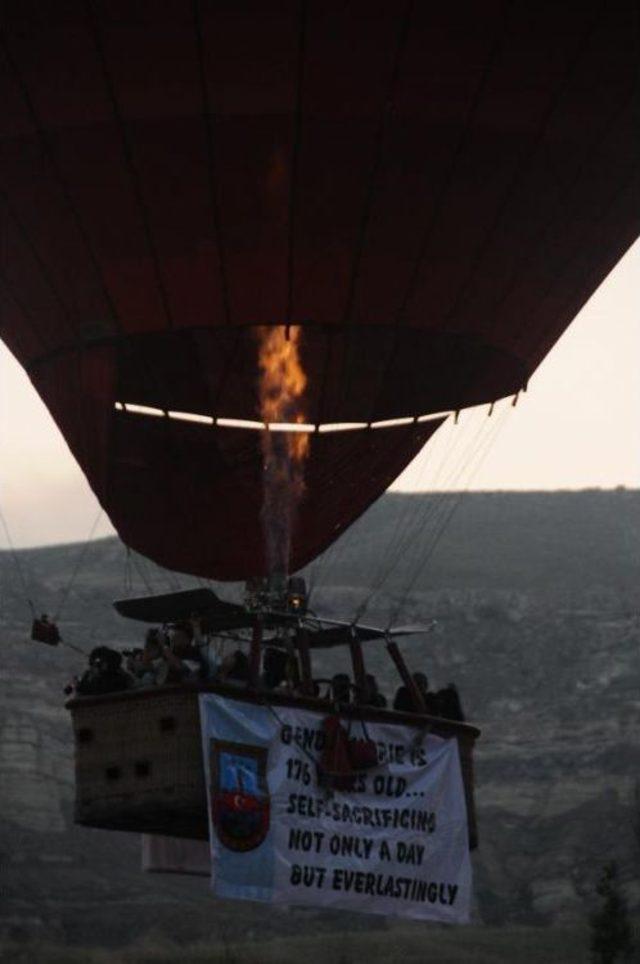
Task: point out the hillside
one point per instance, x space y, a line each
536 600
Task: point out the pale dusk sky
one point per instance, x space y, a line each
578 426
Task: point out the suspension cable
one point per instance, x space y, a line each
16 562
79 561
444 509
404 526
417 524
480 453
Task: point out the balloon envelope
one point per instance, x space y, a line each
432 191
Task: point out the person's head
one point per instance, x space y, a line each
421 682
105 660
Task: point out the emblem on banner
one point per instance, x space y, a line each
240 805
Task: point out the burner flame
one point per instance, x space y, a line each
281 389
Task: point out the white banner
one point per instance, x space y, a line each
395 844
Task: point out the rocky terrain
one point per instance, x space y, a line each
536 598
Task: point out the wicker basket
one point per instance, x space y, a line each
139 761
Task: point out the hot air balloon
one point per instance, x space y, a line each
430 192
419 196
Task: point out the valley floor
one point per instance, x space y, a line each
416 944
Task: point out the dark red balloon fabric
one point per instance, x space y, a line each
431 190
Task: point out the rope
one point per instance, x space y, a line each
444 508
281 723
80 559
75 648
347 537
404 527
458 446
138 567
416 524
482 450
16 562
401 528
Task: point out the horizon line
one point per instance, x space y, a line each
397 492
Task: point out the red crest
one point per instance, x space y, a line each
239 794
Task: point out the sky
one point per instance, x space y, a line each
577 426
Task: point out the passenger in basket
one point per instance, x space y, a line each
134 664
449 705
104 675
210 661
235 669
404 702
183 659
148 666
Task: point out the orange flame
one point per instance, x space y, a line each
283 382
281 387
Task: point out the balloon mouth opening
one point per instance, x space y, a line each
303 428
